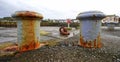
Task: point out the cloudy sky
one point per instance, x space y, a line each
59 9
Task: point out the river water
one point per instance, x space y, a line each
10 34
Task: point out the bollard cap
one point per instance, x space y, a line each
27 15
91 15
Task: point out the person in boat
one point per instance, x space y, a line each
63 31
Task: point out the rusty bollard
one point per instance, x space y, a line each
90 23
28 29
111 25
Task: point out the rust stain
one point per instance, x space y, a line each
30 46
91 44
84 44
99 45
28 14
95 43
81 40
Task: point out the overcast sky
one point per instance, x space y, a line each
59 9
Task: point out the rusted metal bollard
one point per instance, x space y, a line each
28 29
90 23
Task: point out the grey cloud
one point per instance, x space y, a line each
8 7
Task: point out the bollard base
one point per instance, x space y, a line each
110 28
30 46
91 44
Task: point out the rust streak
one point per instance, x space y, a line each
90 44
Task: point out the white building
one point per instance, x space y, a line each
111 19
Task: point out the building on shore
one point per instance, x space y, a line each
111 19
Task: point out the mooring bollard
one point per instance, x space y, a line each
28 29
111 25
90 23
